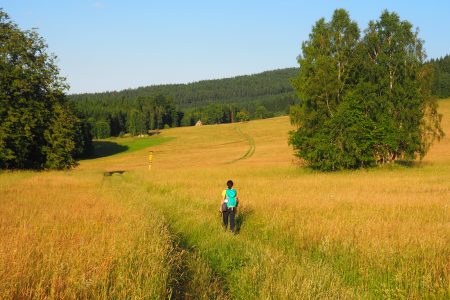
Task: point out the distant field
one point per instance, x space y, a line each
379 233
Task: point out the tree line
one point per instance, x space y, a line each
441 76
241 98
228 90
256 96
365 99
219 101
135 116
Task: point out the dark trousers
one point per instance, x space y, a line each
231 212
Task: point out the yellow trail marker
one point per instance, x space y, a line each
150 159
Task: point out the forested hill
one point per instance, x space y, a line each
263 87
136 111
226 100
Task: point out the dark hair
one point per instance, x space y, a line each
230 184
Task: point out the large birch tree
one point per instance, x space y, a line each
363 100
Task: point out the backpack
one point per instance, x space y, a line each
230 196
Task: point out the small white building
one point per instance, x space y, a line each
199 123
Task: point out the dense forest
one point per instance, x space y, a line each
441 78
227 100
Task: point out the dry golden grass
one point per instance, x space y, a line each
66 236
374 233
382 232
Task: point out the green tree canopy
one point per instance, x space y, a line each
38 129
102 130
261 112
363 100
243 115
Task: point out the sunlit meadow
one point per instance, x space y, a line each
95 232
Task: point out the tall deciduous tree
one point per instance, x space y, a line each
102 130
37 127
364 101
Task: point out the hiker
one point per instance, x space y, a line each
229 205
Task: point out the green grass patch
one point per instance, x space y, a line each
114 146
136 144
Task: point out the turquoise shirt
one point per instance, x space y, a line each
231 197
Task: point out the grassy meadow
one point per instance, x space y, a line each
140 233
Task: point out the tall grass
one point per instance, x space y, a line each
72 237
380 233
377 233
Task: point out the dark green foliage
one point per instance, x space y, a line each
133 116
243 116
344 141
264 87
261 112
364 100
38 129
211 101
441 78
213 114
83 138
59 136
102 130
136 122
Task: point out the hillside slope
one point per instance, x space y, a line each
263 86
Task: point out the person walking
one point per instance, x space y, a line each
229 206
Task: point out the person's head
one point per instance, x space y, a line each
229 184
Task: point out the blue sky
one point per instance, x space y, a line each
109 45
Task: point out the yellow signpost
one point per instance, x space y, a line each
150 159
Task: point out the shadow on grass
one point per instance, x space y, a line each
111 173
242 214
105 148
408 163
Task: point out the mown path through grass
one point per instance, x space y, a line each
268 258
191 276
251 145
253 264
